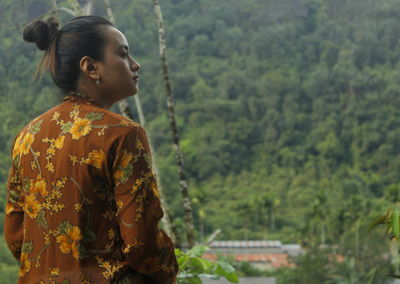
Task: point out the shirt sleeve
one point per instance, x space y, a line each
14 213
148 249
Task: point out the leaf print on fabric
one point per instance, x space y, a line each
110 269
65 127
41 219
35 128
51 151
68 238
102 131
16 194
135 245
127 122
95 158
89 235
80 127
94 116
50 202
27 247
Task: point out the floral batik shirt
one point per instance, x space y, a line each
82 201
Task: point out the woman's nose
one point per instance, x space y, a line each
135 65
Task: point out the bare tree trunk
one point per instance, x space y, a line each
88 8
124 107
109 11
187 205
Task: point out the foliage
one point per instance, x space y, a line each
391 221
325 266
8 265
192 267
289 111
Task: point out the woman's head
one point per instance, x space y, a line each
88 54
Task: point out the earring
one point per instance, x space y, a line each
98 80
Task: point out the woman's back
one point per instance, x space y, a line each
83 204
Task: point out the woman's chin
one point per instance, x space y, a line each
135 91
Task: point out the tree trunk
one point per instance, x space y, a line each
187 205
124 108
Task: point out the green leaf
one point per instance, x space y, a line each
182 259
94 115
66 281
232 277
82 252
226 267
88 235
178 252
395 223
147 158
27 247
195 280
198 265
125 280
198 251
66 127
378 221
14 196
226 270
41 219
64 226
205 264
35 128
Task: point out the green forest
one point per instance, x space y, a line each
288 114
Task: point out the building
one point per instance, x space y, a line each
264 255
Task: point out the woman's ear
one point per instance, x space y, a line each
88 67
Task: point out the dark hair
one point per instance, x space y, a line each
82 36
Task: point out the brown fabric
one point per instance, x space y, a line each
82 203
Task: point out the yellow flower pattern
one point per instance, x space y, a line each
25 264
31 206
59 142
26 143
81 175
38 185
69 240
80 127
96 158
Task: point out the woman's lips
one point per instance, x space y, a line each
136 78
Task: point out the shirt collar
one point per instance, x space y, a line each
79 98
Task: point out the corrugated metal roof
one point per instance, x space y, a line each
275 260
246 244
244 280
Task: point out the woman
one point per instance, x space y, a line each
82 204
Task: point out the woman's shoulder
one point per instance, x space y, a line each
79 120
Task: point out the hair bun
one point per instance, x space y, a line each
41 33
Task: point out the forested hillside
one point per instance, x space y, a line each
289 111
